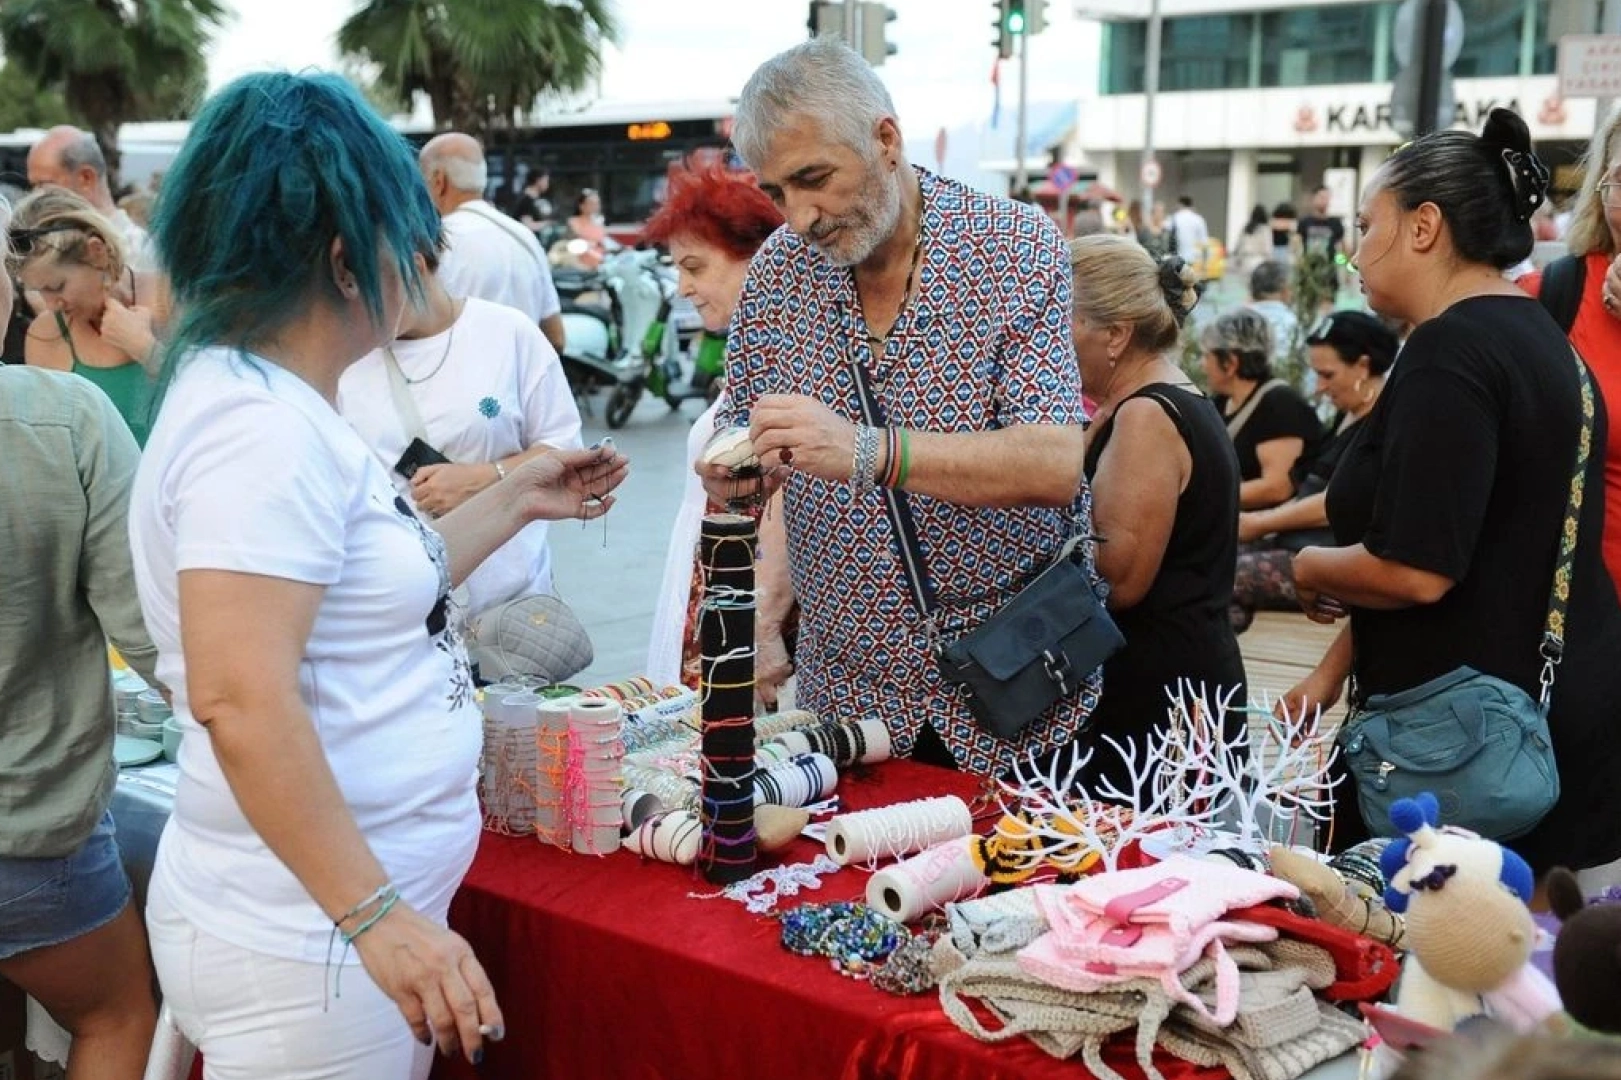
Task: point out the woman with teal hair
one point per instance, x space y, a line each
326 810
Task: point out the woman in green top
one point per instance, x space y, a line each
96 316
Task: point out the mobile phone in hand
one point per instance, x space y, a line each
416 456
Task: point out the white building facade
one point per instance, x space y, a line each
1260 101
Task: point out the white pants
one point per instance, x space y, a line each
258 1017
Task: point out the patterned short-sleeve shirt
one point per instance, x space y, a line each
984 344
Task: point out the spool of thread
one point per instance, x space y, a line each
593 783
773 724
799 781
892 831
927 881
508 774
551 770
673 838
852 742
638 806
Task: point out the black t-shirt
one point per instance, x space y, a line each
534 207
1280 414
1463 469
1321 235
1312 474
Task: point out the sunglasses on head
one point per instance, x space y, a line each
24 242
1321 331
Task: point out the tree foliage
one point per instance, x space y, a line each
480 62
113 61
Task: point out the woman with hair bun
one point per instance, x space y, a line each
1164 479
1449 507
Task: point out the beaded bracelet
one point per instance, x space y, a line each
853 936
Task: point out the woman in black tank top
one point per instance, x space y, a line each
1164 480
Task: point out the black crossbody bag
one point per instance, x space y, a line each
1038 649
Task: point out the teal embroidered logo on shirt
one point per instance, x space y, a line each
490 408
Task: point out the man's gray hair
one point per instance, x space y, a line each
465 175
822 78
84 150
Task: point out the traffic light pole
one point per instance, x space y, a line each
1150 90
1431 64
1021 176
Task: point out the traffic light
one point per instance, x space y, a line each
1004 37
1035 16
825 18
1018 21
875 43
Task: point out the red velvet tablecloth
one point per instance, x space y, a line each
606 968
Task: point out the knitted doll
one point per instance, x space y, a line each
1469 932
1587 955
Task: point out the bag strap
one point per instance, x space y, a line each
1562 283
404 404
1236 423
1553 634
506 225
900 512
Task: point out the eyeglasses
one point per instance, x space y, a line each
1609 193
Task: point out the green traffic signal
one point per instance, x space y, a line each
1015 22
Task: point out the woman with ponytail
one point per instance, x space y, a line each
1164 479
1448 510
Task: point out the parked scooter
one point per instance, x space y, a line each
602 311
660 369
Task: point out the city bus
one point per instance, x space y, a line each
621 151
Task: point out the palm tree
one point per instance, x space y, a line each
113 60
480 61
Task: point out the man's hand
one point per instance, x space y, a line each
439 489
804 434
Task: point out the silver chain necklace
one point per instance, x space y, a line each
449 341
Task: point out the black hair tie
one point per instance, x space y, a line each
1529 179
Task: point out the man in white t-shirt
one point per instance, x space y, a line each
72 159
489 255
1192 234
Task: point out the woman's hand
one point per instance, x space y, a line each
439 489
569 483
772 667
1319 608
1251 526
128 329
1312 696
434 978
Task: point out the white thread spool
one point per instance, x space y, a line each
892 831
594 795
551 768
797 782
671 838
927 881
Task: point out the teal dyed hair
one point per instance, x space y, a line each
277 166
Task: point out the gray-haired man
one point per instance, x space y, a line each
957 305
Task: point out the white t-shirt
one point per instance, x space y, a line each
500 391
139 249
494 258
250 470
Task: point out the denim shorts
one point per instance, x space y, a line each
50 901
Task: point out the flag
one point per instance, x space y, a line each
996 92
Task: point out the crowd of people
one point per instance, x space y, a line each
355 426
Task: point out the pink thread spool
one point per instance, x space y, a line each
595 757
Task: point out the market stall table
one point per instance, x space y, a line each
609 968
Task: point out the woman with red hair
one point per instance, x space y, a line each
713 221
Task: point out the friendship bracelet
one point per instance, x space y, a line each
388 906
906 460
384 893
